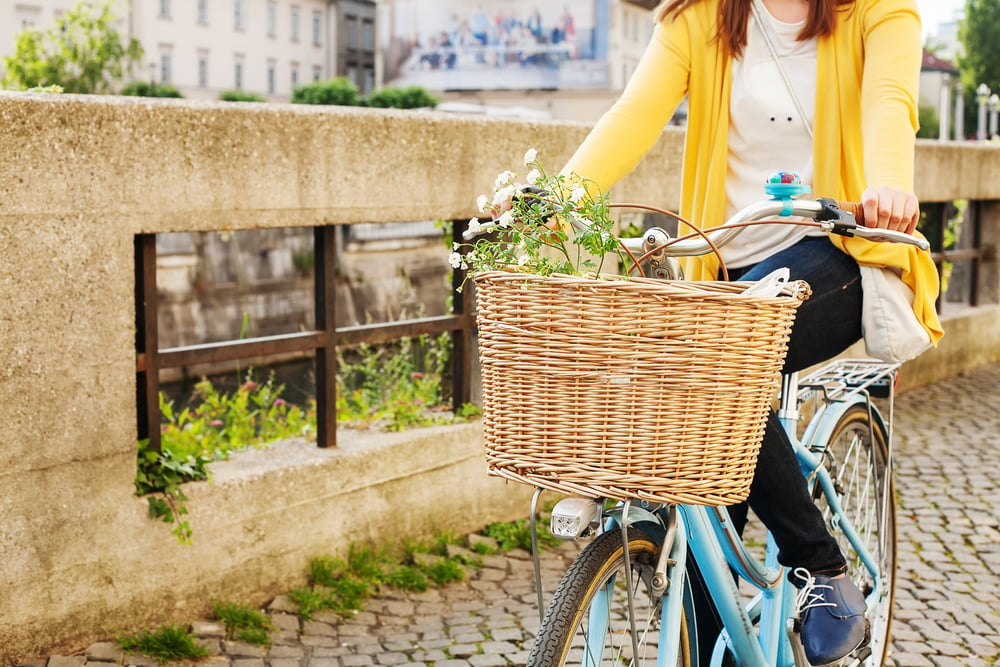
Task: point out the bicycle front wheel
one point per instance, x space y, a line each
858 460
588 623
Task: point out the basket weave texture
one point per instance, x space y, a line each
642 389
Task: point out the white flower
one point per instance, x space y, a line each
506 219
455 246
522 260
533 176
455 260
577 194
481 202
474 227
530 156
504 195
504 178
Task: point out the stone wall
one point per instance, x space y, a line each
81 176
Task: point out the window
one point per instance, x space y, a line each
272 19
368 35
164 9
28 17
238 16
238 73
369 83
295 24
294 76
317 72
317 28
272 76
166 66
351 25
203 12
203 70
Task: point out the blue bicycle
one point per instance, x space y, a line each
637 594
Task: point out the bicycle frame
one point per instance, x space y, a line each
756 631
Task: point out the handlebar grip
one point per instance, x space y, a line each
874 234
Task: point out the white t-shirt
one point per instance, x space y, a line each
766 133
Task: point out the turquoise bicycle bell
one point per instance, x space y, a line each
784 186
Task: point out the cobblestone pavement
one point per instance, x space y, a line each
947 608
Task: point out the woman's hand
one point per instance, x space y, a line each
891 208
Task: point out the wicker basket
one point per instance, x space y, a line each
629 389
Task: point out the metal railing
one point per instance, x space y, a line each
322 341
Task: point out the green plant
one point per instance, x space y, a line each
411 97
243 623
240 96
171 642
159 475
339 91
534 232
191 438
395 386
148 89
517 534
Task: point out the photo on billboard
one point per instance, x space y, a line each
502 45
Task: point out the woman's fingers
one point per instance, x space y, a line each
891 208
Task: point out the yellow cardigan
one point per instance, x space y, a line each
864 126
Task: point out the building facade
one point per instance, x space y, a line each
269 47
205 47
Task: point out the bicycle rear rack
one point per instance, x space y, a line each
842 379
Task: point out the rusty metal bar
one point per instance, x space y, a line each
230 350
147 384
323 340
461 337
392 331
325 295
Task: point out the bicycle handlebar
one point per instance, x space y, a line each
833 216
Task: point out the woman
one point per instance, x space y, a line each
846 121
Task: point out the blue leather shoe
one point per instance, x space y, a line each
832 616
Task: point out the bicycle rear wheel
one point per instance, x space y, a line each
858 460
587 622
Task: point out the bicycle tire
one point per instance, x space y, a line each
858 461
563 634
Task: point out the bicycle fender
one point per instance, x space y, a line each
636 517
833 413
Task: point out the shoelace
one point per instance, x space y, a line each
808 596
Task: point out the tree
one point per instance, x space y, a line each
83 52
980 62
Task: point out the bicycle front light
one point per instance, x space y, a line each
574 517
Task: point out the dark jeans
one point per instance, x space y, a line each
826 324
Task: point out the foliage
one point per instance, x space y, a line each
393 386
517 535
412 97
980 60
930 124
240 96
190 439
342 92
171 642
531 226
343 586
83 52
159 475
244 623
147 89
339 91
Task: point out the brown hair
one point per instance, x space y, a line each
734 15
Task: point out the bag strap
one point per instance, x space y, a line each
781 69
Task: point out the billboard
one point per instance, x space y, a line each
495 45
